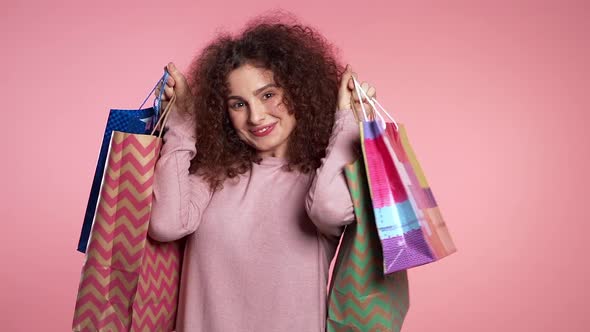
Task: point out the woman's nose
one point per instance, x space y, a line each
257 114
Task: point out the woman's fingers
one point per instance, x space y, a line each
351 81
157 92
372 92
365 86
345 82
170 81
368 89
349 96
168 92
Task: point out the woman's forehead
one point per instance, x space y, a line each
248 79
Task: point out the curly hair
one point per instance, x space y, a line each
303 63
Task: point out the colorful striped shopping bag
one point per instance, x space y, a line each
409 221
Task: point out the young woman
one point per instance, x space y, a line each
251 173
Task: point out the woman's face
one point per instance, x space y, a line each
257 112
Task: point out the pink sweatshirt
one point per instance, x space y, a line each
258 251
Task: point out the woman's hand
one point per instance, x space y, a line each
176 84
347 90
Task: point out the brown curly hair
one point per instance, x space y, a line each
303 63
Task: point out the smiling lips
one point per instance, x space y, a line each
262 130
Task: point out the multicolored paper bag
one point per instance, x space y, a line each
129 282
409 222
361 297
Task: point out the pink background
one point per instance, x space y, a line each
494 96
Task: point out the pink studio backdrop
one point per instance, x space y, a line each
494 95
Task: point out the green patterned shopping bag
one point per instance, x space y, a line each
362 297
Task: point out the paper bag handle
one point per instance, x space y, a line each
164 117
373 102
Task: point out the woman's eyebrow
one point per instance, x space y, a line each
269 85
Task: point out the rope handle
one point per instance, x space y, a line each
164 117
373 103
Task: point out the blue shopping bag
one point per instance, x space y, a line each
139 121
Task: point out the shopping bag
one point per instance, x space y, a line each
156 298
409 222
139 121
361 296
129 282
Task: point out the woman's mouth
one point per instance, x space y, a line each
262 130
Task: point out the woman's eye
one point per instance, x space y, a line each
268 95
237 105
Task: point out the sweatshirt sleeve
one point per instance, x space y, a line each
179 198
328 202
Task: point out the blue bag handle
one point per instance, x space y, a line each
158 100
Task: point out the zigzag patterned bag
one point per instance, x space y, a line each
139 121
129 282
361 297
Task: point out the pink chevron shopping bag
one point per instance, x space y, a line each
129 282
409 222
